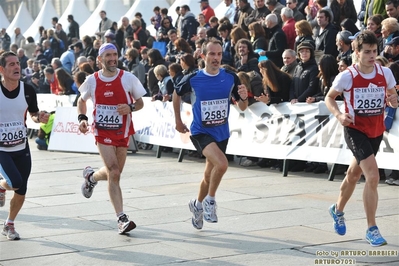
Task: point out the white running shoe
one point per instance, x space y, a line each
124 225
88 186
9 232
210 211
198 217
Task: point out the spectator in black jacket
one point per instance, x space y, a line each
305 81
88 47
73 29
343 9
154 59
277 42
244 12
189 25
247 59
170 47
257 15
325 42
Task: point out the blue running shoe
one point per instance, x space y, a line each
339 221
374 237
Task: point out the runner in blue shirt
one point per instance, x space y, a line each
211 90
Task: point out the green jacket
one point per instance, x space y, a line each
48 127
378 8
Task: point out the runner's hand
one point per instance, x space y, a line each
43 117
182 128
123 109
392 101
83 126
345 119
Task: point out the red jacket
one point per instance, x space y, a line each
208 13
289 30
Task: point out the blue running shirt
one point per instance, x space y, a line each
210 99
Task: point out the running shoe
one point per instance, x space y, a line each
198 215
9 232
374 237
210 211
88 186
339 221
124 225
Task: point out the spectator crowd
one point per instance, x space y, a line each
282 50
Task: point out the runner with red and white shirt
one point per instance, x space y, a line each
366 88
115 94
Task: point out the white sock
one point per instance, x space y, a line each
91 178
198 204
209 198
8 221
120 214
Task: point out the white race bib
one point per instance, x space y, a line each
214 112
369 101
107 117
12 134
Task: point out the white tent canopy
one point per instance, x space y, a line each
47 12
80 13
4 23
220 10
22 20
115 10
193 4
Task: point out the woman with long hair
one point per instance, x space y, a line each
327 73
303 32
182 46
276 83
187 62
257 34
65 81
236 34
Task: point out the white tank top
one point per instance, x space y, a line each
12 121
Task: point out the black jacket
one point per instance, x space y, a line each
257 14
326 41
189 27
349 12
142 36
260 43
277 45
73 31
251 65
305 81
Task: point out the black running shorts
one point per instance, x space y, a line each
200 141
361 145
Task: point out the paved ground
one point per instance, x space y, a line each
264 218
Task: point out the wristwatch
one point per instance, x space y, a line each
132 107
